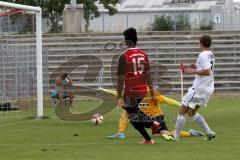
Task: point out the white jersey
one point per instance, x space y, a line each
205 83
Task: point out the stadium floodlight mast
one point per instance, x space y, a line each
38 12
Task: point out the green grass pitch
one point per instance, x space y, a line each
52 139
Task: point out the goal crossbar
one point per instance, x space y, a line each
38 12
20 6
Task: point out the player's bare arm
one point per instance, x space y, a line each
205 72
150 84
120 80
194 65
120 84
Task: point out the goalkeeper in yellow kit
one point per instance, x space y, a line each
154 112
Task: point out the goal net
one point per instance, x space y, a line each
21 61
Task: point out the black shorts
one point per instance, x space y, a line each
163 125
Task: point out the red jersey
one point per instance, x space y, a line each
134 64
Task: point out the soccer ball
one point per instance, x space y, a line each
97 118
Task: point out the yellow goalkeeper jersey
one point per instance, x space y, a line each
149 108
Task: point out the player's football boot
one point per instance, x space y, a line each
195 133
167 137
118 135
155 127
175 138
146 142
210 136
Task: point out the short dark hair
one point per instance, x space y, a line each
206 41
130 35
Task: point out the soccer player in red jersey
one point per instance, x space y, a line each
134 75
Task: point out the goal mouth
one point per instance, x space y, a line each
21 56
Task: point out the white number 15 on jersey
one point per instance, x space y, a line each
138 66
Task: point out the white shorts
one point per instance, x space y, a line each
195 98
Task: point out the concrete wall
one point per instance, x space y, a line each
73 21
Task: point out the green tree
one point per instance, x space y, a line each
91 10
162 23
53 9
182 23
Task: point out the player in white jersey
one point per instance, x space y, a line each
199 94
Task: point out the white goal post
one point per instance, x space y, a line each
38 12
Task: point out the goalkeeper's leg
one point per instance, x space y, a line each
123 123
190 133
